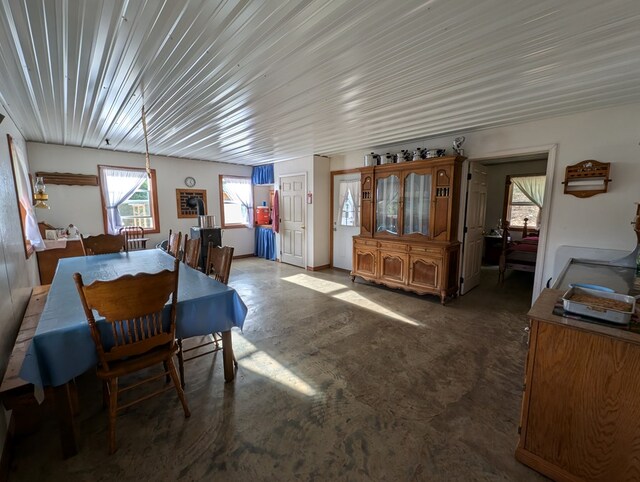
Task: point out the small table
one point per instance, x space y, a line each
492 248
62 347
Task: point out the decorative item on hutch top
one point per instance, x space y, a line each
587 178
431 153
457 145
409 225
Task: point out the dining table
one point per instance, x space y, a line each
62 347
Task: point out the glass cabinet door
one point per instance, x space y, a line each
417 203
387 204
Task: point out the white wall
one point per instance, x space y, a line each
607 135
17 274
322 210
496 175
81 205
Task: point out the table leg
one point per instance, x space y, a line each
64 410
227 356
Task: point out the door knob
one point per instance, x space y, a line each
301 227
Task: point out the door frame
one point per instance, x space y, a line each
331 218
306 214
551 150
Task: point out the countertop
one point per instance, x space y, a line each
542 310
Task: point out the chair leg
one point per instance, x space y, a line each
176 382
167 378
216 337
181 362
113 410
105 394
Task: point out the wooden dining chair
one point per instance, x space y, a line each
218 263
175 244
134 239
102 244
191 255
218 266
132 307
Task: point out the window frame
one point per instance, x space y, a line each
28 247
153 198
508 194
223 222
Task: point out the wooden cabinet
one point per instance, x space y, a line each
48 259
581 398
408 233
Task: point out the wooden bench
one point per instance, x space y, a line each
15 393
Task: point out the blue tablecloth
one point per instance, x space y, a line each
62 347
265 243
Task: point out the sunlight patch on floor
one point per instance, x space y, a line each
346 294
357 299
316 284
251 358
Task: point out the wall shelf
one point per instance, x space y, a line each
587 178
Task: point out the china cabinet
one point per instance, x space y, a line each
408 231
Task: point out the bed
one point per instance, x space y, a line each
518 255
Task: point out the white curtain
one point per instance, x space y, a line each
240 191
118 185
533 188
350 188
25 196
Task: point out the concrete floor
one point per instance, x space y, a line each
337 381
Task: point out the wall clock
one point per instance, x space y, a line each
189 181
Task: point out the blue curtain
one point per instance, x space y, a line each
265 243
263 174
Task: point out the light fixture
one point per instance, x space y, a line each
40 197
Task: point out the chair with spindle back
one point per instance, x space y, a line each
191 255
134 334
218 266
134 238
102 244
175 244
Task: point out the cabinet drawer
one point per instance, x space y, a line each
397 247
370 243
427 250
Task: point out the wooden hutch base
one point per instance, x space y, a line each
407 265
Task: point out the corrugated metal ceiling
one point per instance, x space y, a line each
254 81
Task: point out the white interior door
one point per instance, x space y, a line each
292 214
346 217
473 238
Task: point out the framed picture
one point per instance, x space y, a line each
50 234
182 195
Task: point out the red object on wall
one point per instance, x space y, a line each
262 215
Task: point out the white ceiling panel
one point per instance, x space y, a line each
257 81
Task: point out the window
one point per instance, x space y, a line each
525 200
349 202
24 196
236 201
129 198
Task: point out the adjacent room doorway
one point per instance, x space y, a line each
293 190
